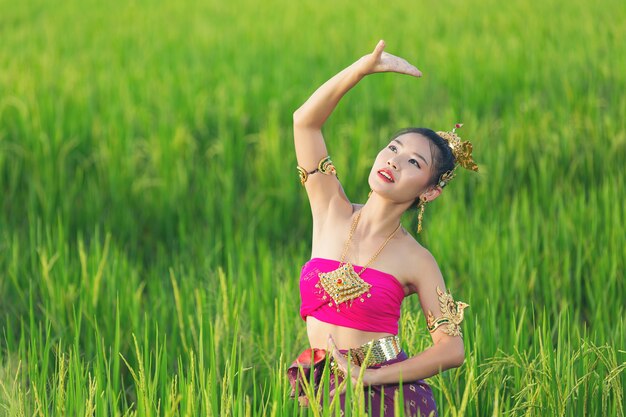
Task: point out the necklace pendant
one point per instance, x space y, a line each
343 284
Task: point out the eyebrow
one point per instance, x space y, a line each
414 153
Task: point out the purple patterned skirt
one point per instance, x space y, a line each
379 399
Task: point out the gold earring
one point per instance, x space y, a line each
421 215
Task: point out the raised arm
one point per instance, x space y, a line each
325 191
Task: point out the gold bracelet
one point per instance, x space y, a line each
325 166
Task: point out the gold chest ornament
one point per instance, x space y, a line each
344 284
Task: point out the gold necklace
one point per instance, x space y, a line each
344 283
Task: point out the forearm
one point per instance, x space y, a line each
431 361
316 110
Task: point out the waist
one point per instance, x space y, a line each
375 352
345 337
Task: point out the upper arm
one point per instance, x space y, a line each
324 191
428 280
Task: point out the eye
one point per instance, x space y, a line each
393 148
414 162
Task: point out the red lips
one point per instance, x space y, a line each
386 175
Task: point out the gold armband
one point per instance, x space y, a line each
451 315
325 166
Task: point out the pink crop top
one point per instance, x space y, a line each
378 313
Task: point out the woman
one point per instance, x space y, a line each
364 263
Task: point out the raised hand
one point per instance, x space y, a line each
381 61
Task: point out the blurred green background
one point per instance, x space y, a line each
152 225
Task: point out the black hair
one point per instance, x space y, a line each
442 157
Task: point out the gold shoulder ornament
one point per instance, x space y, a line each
451 315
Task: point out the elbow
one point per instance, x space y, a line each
457 357
303 119
456 354
458 360
298 117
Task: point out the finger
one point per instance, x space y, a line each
380 46
333 347
334 351
412 70
341 360
392 63
409 69
330 345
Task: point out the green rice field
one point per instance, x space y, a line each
152 225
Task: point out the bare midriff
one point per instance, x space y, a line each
344 337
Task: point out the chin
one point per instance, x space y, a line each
379 188
386 193
394 195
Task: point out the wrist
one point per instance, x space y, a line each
357 70
375 376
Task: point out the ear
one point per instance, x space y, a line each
431 193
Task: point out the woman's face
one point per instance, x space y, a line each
402 169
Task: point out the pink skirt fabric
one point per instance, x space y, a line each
379 399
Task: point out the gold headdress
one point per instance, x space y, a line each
462 151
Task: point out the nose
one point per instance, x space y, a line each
392 163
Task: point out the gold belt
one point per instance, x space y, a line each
380 350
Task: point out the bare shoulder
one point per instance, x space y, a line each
420 265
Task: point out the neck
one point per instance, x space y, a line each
379 216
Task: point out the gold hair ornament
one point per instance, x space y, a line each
451 315
325 166
462 151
